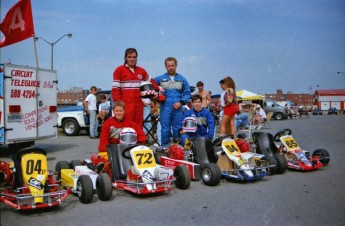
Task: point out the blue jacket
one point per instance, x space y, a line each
175 91
205 122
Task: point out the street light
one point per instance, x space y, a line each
69 35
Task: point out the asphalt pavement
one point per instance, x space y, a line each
293 198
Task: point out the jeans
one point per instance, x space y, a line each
93 124
241 120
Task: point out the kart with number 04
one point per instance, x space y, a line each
26 183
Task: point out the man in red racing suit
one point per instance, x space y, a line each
126 86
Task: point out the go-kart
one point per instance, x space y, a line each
234 165
198 156
133 168
297 158
26 183
84 181
264 144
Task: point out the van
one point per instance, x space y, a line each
279 112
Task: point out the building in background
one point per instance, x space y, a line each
299 98
325 99
71 96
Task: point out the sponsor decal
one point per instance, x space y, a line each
147 175
140 77
35 183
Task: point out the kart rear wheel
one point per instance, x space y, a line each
104 187
74 163
84 189
59 166
158 156
181 173
281 163
210 174
272 163
324 156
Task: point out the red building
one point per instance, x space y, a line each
299 98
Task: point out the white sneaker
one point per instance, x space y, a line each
259 127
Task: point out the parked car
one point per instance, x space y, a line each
317 111
332 111
279 112
73 119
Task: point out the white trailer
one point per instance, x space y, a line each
28 105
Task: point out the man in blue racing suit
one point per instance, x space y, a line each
177 93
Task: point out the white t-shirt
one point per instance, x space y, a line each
92 102
104 106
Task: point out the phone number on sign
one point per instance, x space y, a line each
17 93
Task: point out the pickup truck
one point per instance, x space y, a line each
74 119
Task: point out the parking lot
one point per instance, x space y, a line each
293 198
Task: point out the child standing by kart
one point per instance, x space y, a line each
230 108
113 126
204 121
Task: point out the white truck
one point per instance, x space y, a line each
28 105
74 119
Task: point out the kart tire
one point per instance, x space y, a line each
210 174
104 187
281 163
272 163
70 127
182 176
59 166
84 189
74 163
324 156
158 156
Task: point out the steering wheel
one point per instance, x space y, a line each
281 133
127 149
218 140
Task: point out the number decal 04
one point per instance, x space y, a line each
31 166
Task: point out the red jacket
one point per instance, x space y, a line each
126 87
111 132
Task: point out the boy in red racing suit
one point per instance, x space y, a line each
112 127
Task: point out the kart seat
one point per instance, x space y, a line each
265 143
18 175
204 150
119 164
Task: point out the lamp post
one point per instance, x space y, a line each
69 35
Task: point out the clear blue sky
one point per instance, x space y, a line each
264 45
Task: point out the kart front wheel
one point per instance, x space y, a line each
84 189
104 187
182 176
158 156
281 163
324 156
59 166
210 174
75 163
272 164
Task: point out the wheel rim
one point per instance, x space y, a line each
206 174
69 127
79 189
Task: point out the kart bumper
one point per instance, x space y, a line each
26 201
144 188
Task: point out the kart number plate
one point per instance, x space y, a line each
144 159
231 147
290 143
